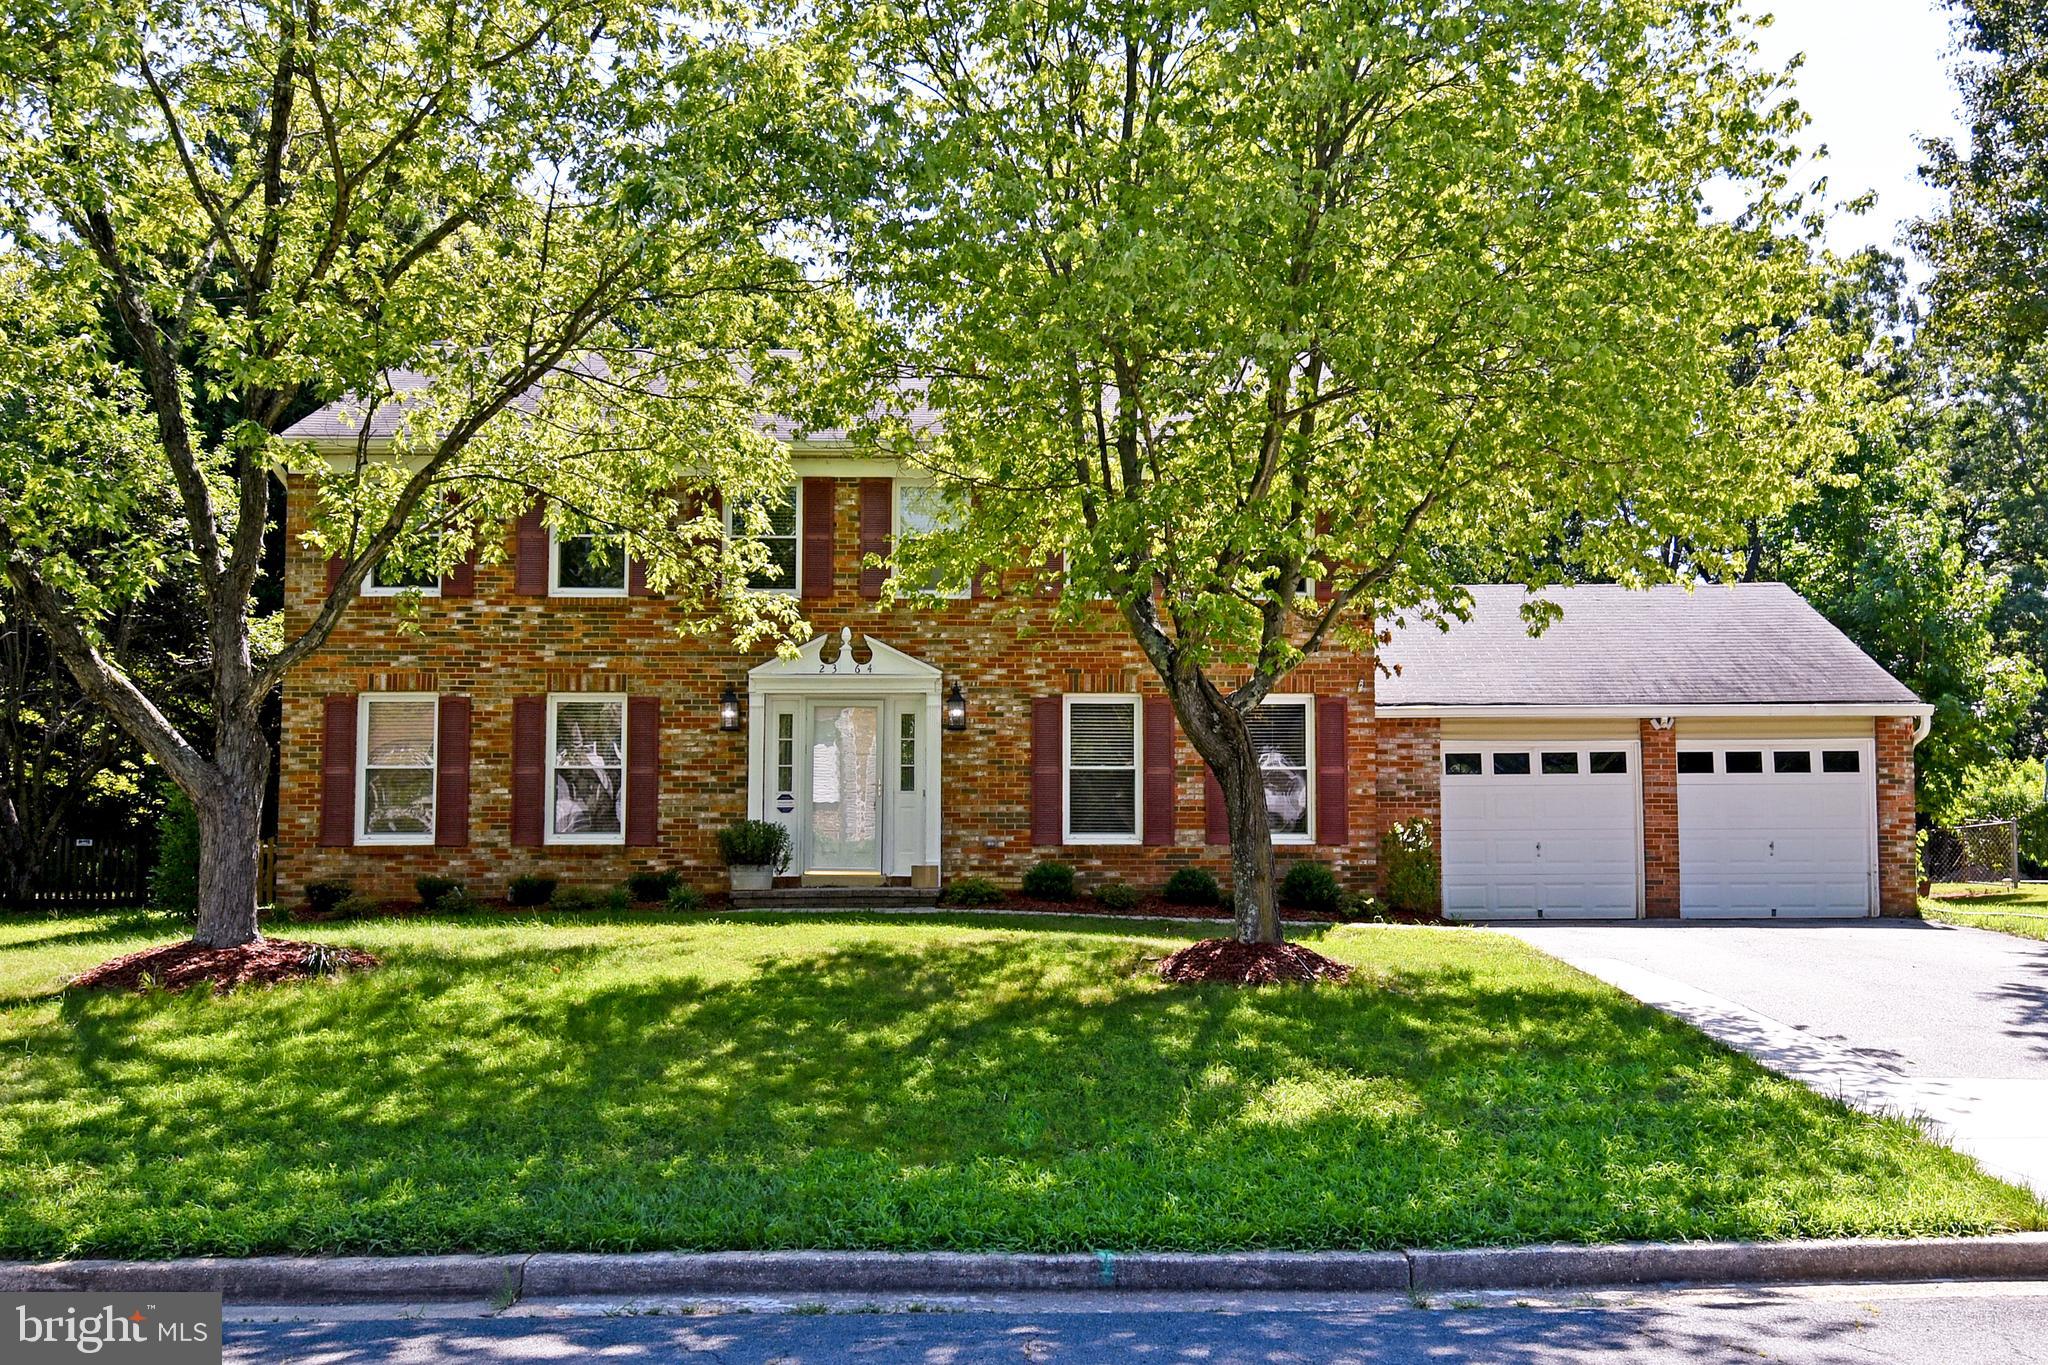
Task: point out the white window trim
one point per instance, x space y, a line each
363 703
555 699
1307 702
902 486
372 588
1067 834
555 588
796 494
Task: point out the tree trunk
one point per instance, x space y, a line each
1220 736
231 837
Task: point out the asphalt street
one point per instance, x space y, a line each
1982 1324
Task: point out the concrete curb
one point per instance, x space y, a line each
335 1279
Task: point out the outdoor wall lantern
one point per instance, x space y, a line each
728 709
956 709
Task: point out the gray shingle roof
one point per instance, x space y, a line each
1753 644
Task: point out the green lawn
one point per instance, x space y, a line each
651 1081
2023 912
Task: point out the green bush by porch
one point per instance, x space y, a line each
639 1081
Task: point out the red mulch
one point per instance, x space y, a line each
174 966
1250 964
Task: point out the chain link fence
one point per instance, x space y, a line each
1976 853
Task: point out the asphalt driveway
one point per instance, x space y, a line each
1892 1016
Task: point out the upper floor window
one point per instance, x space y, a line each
1281 737
771 523
587 566
587 769
922 508
386 579
1102 770
398 732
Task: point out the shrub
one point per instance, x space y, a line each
1311 887
1049 881
1117 896
1193 886
583 899
971 891
174 881
1410 857
1357 905
647 887
458 902
434 891
754 843
685 900
358 907
328 892
531 888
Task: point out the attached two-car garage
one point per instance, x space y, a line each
1665 753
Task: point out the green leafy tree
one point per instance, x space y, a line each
1222 301
532 238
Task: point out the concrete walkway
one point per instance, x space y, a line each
1946 1024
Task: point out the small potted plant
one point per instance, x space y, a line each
754 851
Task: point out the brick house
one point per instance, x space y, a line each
1723 752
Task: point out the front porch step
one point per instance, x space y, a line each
836 898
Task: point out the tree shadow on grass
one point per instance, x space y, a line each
1014 1092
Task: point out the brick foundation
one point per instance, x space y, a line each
1409 783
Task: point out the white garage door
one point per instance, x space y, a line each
1776 829
1541 830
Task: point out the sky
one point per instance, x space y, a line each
1876 79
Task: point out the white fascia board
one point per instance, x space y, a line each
1422 711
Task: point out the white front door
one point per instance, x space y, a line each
1549 830
844 788
1776 829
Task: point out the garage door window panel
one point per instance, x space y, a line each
1791 761
1696 761
1841 761
1608 763
1461 765
1737 761
1560 764
1511 765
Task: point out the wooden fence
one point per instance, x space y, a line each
82 873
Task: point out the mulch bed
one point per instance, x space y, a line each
1151 907
1230 962
267 961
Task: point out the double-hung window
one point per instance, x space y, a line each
386 579
1102 770
587 566
771 523
587 769
1281 736
921 508
397 735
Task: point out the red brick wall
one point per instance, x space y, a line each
495 646
1408 783
1897 866
1660 820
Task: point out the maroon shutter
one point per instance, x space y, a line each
636 576
1325 584
1333 771
816 495
1054 580
335 564
1048 741
451 775
643 772
1158 770
530 554
460 580
338 771
1215 816
877 518
529 770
